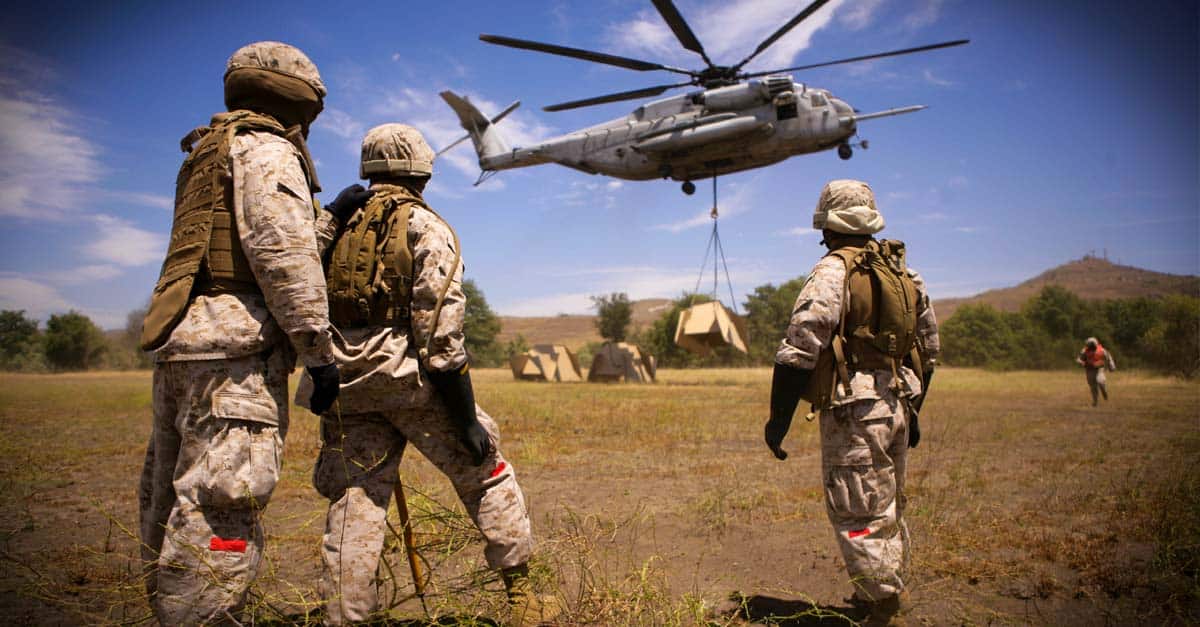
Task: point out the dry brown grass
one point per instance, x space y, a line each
655 505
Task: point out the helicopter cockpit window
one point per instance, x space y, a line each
817 100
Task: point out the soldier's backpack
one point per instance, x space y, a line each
878 327
369 279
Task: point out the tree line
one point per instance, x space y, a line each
1161 334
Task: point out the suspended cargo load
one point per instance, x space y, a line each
708 326
619 361
546 362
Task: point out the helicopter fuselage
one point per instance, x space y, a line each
701 134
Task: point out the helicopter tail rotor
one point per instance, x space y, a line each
489 141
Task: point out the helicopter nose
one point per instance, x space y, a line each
841 106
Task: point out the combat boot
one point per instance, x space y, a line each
525 608
884 612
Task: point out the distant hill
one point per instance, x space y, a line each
1091 278
574 330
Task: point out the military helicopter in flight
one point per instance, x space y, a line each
735 121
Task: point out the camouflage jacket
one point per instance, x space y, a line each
815 319
274 212
381 366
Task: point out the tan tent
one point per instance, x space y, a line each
620 361
707 326
546 362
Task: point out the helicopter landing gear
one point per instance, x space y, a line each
689 188
845 151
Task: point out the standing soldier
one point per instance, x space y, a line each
860 346
1095 360
240 296
394 274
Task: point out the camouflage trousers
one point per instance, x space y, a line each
357 472
864 446
212 463
1097 382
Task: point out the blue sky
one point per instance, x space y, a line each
1063 128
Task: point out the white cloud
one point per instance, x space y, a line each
48 168
123 244
800 231
729 31
737 200
859 14
340 123
36 299
158 201
923 14
638 282
934 80
614 185
44 162
967 229
84 274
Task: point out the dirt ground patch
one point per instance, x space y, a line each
659 505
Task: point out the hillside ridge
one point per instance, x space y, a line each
1091 278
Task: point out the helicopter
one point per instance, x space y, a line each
736 121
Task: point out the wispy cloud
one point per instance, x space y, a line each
37 299
967 229
731 30
589 194
45 163
923 14
934 80
859 14
638 282
83 274
738 200
799 231
123 244
158 201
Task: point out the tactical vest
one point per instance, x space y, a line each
878 327
205 253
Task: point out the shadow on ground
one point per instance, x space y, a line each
789 612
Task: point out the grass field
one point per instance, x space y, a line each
659 504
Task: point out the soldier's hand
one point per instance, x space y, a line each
348 201
326 385
477 442
458 394
773 433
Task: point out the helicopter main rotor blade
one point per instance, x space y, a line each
578 53
625 95
680 27
946 44
800 17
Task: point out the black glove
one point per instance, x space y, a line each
914 422
456 391
326 385
348 201
787 384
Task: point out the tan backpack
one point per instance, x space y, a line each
878 327
369 277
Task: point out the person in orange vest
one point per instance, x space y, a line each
1095 360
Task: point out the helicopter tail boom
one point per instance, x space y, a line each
488 140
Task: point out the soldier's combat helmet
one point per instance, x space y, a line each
275 79
395 150
847 206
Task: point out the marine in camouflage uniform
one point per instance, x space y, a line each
1095 359
240 296
865 431
404 380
